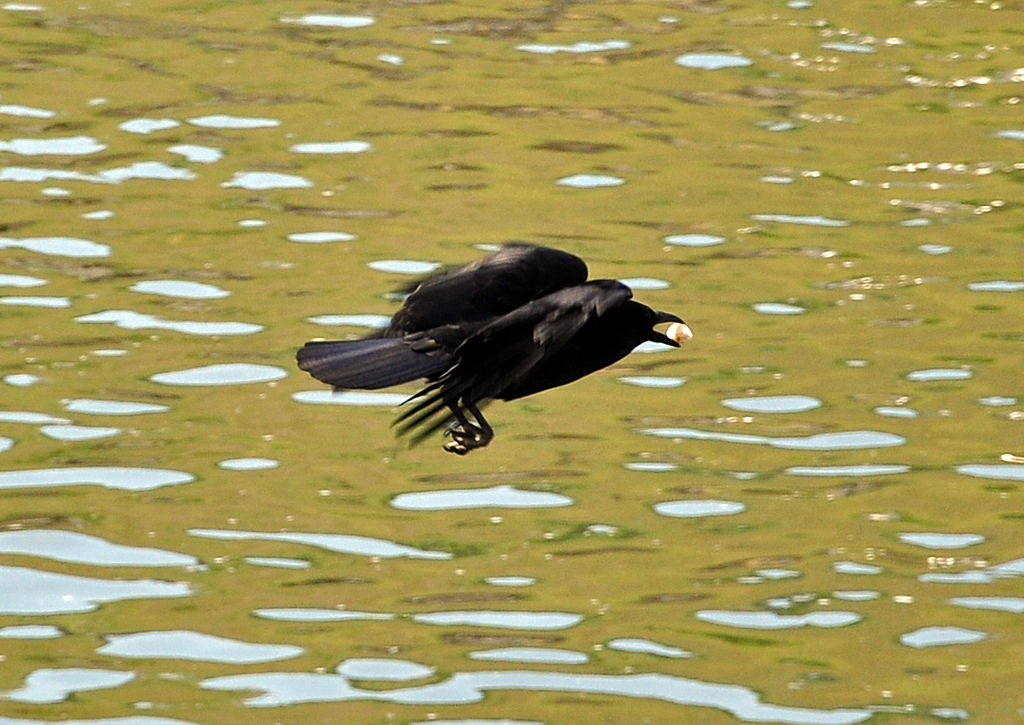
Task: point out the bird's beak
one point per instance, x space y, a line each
677 333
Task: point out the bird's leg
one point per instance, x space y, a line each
463 436
467 437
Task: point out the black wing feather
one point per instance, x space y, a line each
488 288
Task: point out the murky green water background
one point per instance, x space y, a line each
860 171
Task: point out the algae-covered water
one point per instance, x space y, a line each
810 514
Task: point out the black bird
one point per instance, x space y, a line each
515 323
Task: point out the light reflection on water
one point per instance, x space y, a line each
465 687
712 61
773 404
248 464
221 374
77 432
27 301
371 321
111 407
941 541
58 246
265 180
502 620
851 440
536 655
320 237
773 620
32 592
697 509
214 194
194 646
502 496
31 631
350 397
56 685
404 266
939 636
644 646
581 47
341 543
320 615
332 21
179 288
128 479
71 546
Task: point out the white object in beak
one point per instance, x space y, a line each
680 332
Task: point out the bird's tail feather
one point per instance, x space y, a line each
367 364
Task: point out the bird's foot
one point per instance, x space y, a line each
464 440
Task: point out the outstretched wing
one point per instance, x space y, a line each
508 350
488 288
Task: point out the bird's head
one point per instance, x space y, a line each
677 333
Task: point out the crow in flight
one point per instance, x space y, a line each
515 323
